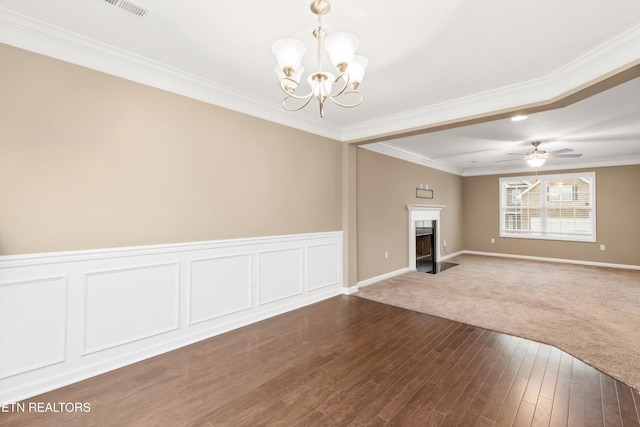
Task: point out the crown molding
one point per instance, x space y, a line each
409 156
36 36
449 111
615 55
604 163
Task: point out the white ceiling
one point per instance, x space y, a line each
430 62
604 128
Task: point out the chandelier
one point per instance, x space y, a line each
341 48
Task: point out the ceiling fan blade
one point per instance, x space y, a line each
566 156
508 160
562 151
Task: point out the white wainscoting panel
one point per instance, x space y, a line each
68 316
323 266
279 274
219 286
33 324
122 306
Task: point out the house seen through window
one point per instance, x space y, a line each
558 207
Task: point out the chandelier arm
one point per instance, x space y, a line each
291 94
284 102
346 84
332 98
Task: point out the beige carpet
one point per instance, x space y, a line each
592 313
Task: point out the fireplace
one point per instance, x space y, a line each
424 238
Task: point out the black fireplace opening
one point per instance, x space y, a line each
426 249
425 246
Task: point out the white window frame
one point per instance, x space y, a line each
543 233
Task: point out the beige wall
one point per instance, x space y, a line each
88 160
385 187
617 216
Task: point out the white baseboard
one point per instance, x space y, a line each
560 260
350 290
381 277
69 316
354 289
449 256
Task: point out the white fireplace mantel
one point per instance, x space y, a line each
424 210
423 213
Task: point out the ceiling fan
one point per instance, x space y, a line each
537 157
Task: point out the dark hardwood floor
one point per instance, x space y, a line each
348 361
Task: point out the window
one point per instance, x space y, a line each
558 207
562 193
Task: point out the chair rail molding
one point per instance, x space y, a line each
68 316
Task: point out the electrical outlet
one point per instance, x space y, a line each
493 240
602 247
386 254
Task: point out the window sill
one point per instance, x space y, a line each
558 237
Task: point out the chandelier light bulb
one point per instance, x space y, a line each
356 69
341 47
288 53
321 84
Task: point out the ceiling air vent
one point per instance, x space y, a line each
129 7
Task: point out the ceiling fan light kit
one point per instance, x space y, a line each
536 162
341 48
536 158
